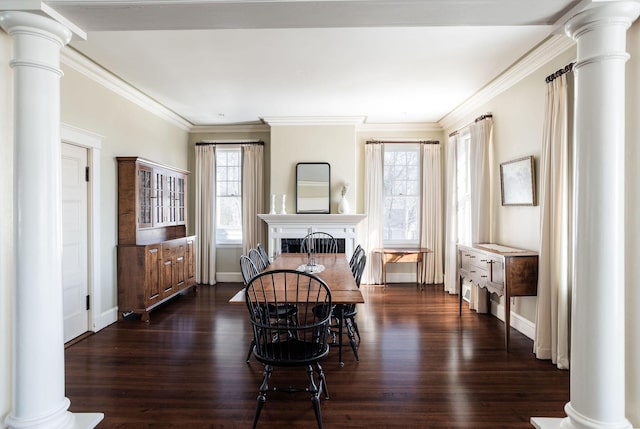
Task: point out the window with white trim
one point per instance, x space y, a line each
401 176
229 196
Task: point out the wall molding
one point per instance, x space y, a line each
540 55
72 58
314 120
229 277
239 128
518 322
409 126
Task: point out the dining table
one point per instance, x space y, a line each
332 268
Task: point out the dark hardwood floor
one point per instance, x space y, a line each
421 366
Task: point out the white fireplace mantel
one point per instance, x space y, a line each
297 226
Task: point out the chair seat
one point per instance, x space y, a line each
292 352
282 311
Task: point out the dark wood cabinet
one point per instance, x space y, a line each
502 270
156 259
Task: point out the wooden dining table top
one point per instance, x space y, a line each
336 274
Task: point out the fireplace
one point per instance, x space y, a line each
286 231
292 245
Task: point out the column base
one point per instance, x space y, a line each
546 422
87 420
576 421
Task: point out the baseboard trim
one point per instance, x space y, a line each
229 277
518 322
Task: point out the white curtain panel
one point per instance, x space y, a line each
480 147
373 208
252 196
554 274
205 179
451 282
431 213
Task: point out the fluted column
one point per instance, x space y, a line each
38 392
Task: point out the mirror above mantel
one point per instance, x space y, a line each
313 187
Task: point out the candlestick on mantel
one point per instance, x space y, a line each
283 209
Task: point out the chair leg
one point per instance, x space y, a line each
352 339
323 381
355 327
253 343
315 396
262 396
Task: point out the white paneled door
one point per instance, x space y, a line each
74 238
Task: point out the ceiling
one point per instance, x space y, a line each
238 62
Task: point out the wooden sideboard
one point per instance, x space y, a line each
156 259
502 270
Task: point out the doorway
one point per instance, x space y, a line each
75 241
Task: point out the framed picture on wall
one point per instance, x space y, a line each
517 180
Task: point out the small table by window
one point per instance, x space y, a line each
402 255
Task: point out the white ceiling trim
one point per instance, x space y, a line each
246 128
536 58
95 72
314 120
407 127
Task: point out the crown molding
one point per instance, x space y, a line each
234 128
314 120
93 71
402 127
536 58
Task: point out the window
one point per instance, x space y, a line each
229 196
463 192
401 194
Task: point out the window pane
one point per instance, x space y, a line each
229 196
401 190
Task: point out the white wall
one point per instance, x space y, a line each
128 130
518 115
6 224
291 144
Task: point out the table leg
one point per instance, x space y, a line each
384 272
340 322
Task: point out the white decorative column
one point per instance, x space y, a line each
597 319
38 391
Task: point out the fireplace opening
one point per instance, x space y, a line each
292 245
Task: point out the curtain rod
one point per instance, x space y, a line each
402 142
240 142
567 69
478 119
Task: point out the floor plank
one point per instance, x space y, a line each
421 365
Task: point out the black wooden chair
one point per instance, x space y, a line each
357 253
263 254
319 242
344 315
301 344
249 271
257 259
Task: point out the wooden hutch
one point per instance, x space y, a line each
156 259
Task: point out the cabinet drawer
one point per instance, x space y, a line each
172 248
